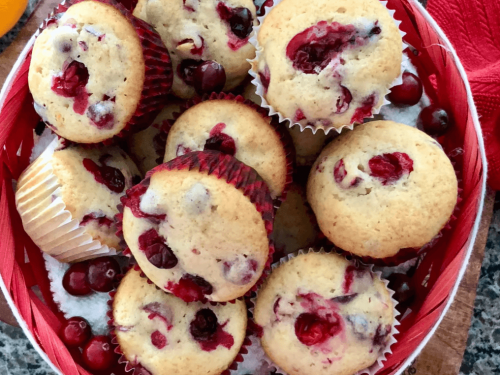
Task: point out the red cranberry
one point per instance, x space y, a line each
134 201
434 120
402 286
186 70
365 109
75 280
98 353
390 167
310 329
209 76
204 325
158 339
129 4
156 250
101 220
339 173
408 93
191 288
111 177
75 331
239 19
265 78
313 49
221 142
73 80
101 274
195 50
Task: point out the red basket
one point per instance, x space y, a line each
22 266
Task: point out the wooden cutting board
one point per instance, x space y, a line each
442 355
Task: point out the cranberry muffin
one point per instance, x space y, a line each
139 144
207 40
67 200
236 128
161 334
382 188
88 73
326 64
194 234
320 311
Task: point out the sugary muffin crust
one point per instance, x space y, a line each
162 334
327 64
195 235
320 311
86 75
236 129
382 187
196 31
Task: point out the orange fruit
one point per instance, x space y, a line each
10 12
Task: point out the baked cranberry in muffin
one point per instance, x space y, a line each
327 64
88 77
207 40
160 333
319 309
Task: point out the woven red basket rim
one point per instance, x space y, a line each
40 321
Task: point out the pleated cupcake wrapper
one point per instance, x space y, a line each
45 218
133 368
158 69
241 176
376 366
272 111
279 128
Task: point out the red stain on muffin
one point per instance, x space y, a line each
71 83
265 78
190 288
101 220
195 50
381 334
240 271
344 100
389 168
299 115
339 173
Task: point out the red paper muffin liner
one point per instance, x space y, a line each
158 70
137 369
278 127
241 176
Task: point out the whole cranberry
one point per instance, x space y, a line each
101 274
75 280
241 22
98 353
434 120
310 329
408 93
402 287
186 70
204 325
75 331
208 77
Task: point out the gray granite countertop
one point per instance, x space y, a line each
482 356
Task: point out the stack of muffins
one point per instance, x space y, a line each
159 158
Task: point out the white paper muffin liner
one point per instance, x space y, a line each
256 350
260 88
45 218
